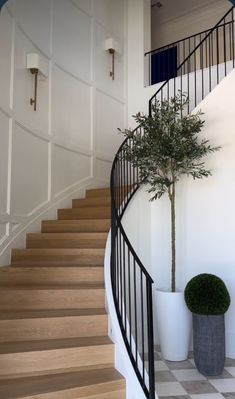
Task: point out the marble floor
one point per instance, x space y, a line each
181 380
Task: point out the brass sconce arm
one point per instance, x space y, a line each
112 46
112 52
33 101
38 66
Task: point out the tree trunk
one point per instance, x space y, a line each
173 250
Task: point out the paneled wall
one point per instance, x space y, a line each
50 155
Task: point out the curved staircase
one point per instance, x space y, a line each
53 323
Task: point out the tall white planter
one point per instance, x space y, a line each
174 323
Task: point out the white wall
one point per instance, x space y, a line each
205 220
69 142
138 42
187 18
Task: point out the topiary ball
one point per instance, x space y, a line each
207 294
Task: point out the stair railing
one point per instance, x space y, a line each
170 56
207 64
131 282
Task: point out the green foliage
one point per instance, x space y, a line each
164 148
207 294
169 147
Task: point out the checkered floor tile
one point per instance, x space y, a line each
181 380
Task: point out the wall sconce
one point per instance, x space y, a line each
37 66
111 46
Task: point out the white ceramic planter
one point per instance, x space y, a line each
174 322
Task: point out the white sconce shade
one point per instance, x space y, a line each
35 61
38 66
113 45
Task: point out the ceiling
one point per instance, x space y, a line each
175 8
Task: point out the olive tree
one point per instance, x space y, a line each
168 147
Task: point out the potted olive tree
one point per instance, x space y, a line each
208 299
169 149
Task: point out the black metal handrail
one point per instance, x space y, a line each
131 282
208 61
166 46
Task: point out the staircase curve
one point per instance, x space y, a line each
206 65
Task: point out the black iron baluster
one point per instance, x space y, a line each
188 86
121 280
230 42
195 75
130 302
150 68
212 48
233 50
119 186
135 311
209 44
217 49
201 67
124 283
118 269
121 170
225 51
142 323
181 91
149 296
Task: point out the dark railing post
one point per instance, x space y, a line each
150 341
150 109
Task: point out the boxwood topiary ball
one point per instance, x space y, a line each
207 294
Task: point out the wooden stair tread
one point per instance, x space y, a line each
92 380
51 344
66 236
66 240
77 286
98 192
13 269
38 275
64 256
60 251
52 324
99 212
91 202
21 297
83 225
48 266
33 314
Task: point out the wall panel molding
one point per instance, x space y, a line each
52 154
